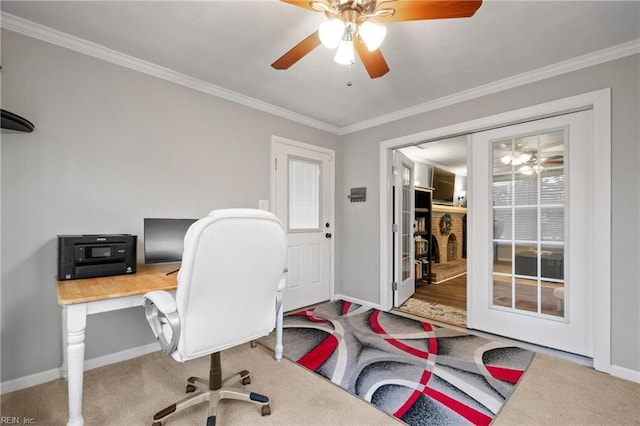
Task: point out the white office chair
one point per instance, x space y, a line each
229 289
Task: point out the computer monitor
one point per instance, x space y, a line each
164 239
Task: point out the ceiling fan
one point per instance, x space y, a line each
528 161
358 24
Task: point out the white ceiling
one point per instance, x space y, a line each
450 154
231 44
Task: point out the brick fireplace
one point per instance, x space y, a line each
449 246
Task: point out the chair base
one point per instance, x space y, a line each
214 390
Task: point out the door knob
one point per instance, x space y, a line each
327 235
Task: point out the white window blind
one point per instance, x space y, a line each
304 195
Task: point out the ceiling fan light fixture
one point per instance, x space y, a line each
524 157
526 170
331 32
372 34
516 158
320 7
344 55
384 13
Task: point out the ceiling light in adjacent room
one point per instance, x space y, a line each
516 159
526 170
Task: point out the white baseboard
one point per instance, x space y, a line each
101 361
625 373
30 380
89 364
354 300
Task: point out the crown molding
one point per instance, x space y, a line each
32 29
49 35
569 65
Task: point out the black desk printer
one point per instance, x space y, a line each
97 255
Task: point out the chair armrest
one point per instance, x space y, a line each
162 314
165 302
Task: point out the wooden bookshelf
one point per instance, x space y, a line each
422 235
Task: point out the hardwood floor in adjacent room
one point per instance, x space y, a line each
452 292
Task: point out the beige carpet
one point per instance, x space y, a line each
435 311
557 392
130 392
552 392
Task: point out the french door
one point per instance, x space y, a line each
532 263
403 241
303 186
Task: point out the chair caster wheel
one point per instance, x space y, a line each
266 410
246 380
190 388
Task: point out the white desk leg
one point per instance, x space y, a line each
76 324
279 332
63 368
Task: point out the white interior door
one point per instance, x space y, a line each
403 242
531 219
303 194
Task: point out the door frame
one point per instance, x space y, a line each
599 102
331 198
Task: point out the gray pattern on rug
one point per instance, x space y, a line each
420 373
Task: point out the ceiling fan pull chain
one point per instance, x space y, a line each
349 81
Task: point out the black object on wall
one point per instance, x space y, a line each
11 121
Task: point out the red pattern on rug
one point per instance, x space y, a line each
339 324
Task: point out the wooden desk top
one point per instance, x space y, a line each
147 278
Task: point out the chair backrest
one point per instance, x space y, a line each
232 264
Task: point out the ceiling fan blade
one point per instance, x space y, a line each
415 10
297 52
554 159
373 61
305 4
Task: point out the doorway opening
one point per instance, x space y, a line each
440 230
599 102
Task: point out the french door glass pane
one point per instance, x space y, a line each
407 223
552 187
552 223
502 223
502 190
304 195
526 294
525 188
528 189
526 225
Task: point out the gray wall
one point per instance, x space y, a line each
359 155
111 147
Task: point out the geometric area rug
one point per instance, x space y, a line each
418 372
